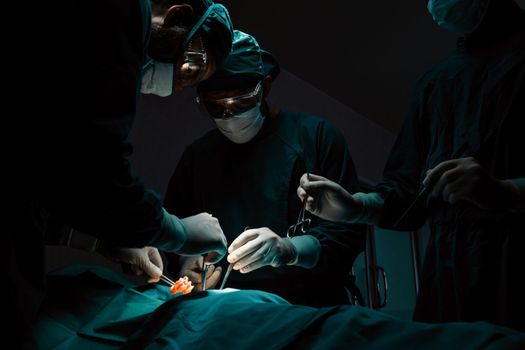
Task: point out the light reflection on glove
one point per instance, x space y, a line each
260 247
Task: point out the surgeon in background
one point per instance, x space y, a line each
73 99
244 172
462 149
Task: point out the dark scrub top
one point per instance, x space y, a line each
68 148
470 104
254 184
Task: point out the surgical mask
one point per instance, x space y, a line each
242 127
158 78
459 16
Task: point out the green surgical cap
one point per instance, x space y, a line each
218 31
246 63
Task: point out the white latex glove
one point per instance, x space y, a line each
327 199
191 266
260 247
141 261
465 179
204 235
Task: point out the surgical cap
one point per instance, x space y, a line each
246 63
213 22
218 31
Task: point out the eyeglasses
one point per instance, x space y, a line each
226 108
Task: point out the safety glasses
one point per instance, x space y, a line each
226 108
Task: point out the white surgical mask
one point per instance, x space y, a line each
157 79
243 127
459 16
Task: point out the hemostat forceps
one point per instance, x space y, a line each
302 225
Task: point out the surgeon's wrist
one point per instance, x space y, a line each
307 251
172 235
370 205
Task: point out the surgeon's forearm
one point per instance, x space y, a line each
172 235
517 190
371 208
307 251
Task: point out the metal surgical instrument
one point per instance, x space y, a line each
230 268
301 221
165 279
424 191
226 275
204 272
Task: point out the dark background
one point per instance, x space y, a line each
367 54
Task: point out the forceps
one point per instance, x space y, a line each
166 280
302 224
204 272
424 191
226 275
230 268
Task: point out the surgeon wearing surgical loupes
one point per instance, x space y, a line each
458 162
244 172
70 171
187 39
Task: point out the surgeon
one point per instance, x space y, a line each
244 172
187 39
78 74
462 150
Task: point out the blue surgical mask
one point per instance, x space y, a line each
157 78
459 16
243 127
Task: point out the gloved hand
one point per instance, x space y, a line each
260 247
137 261
194 235
465 179
204 235
191 266
327 199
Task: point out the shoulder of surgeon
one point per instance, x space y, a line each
448 68
303 125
